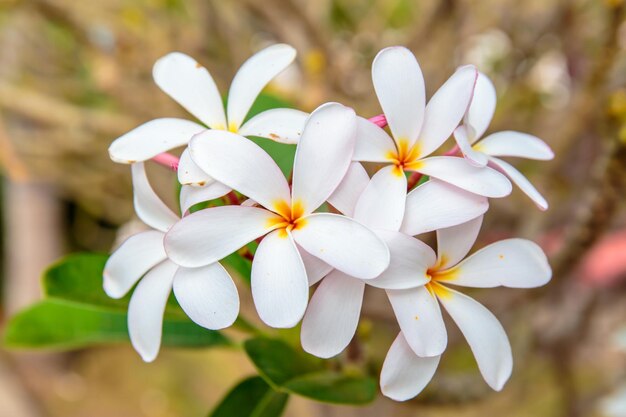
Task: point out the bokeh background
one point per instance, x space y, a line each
74 75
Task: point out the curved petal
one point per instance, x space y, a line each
446 108
252 77
316 269
152 138
454 243
483 333
242 165
404 374
435 205
399 85
343 243
191 86
420 320
148 206
515 263
206 236
410 260
146 308
131 261
189 173
279 125
483 106
510 143
323 155
372 144
333 314
382 203
349 190
473 156
458 172
280 288
521 181
190 195
207 295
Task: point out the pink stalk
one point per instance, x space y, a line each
380 120
167 160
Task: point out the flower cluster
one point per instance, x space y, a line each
330 224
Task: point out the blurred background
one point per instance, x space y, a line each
74 75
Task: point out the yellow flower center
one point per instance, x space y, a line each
405 157
291 217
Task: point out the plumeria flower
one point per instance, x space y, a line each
411 361
191 85
333 313
418 129
284 217
207 294
506 143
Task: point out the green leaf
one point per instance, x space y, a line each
239 264
296 372
252 397
63 325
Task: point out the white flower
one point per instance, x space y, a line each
333 313
279 278
191 85
414 355
207 295
419 129
505 143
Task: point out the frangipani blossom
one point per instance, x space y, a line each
516 263
207 294
418 129
333 313
191 85
279 278
506 143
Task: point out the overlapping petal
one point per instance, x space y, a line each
454 243
462 139
190 195
482 108
382 203
510 143
148 206
316 269
521 181
189 173
373 144
279 125
349 190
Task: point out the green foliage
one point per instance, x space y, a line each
296 372
252 397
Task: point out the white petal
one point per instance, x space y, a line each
399 85
242 165
435 205
189 173
343 243
148 206
420 320
516 263
349 190
152 138
208 235
473 156
482 108
333 314
410 259
446 108
316 269
323 155
373 144
131 260
483 333
146 308
454 243
207 295
191 85
521 181
252 77
510 143
280 288
190 195
280 125
404 374
458 172
381 205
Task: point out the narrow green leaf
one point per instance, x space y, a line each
58 324
252 397
296 372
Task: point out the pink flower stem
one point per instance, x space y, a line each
167 160
380 120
